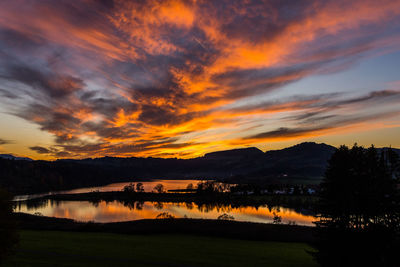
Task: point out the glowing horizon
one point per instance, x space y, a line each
182 78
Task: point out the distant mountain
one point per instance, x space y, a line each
304 161
299 164
9 156
235 153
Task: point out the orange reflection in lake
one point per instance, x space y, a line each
116 211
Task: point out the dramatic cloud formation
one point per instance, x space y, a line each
179 78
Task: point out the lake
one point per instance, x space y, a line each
148 187
117 211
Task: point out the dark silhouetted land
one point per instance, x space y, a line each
52 248
202 227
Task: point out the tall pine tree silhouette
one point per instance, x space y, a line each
359 209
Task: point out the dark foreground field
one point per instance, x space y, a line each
55 248
47 241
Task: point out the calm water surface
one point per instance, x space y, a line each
116 211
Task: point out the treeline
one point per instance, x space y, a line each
212 187
26 177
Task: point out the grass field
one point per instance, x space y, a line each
52 248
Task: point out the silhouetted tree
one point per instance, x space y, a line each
226 217
358 210
393 161
210 187
158 205
159 188
129 188
139 187
139 205
190 186
8 234
277 219
165 215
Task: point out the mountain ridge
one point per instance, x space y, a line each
229 151
12 157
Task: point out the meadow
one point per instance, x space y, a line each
56 248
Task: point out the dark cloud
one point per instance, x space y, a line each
80 13
313 117
19 42
109 131
323 113
257 21
323 107
40 150
140 147
53 85
250 82
7 94
109 107
338 121
123 149
63 154
106 149
61 123
106 3
53 151
156 115
295 102
375 96
283 132
5 142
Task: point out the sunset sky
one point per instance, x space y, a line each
182 78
